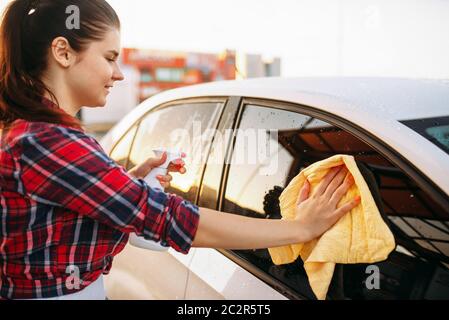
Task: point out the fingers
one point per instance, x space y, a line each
145 167
326 180
161 160
340 212
182 170
177 166
151 163
165 180
304 193
342 189
336 182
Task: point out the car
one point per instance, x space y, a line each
246 139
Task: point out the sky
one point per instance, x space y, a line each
392 38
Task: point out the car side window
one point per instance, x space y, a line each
120 152
183 126
289 141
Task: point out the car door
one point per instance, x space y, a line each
144 274
273 143
212 274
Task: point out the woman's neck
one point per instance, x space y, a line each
65 100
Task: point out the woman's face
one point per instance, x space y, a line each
93 75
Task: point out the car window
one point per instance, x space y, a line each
436 130
183 126
120 152
418 268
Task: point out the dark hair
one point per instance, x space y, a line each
26 33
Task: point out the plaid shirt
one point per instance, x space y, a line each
65 204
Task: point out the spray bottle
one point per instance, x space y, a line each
152 181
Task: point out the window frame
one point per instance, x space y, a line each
365 136
136 124
386 151
219 99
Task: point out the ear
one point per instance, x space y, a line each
62 52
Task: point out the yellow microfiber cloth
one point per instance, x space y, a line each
360 236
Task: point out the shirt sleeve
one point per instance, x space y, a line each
67 168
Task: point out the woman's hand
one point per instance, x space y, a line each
143 169
318 213
314 216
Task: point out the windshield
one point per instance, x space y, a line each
436 130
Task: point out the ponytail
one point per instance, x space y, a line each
27 29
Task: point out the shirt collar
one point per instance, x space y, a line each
51 105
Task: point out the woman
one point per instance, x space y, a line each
64 203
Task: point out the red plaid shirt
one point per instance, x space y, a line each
64 203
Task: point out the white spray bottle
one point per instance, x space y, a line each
152 181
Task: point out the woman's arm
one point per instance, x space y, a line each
314 216
66 168
230 231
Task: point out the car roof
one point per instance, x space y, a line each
375 104
393 98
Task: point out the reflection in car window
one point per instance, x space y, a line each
436 130
181 126
418 268
121 150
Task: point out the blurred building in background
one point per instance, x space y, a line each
148 72
163 70
255 66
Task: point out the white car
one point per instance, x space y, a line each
247 139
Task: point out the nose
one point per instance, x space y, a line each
117 75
